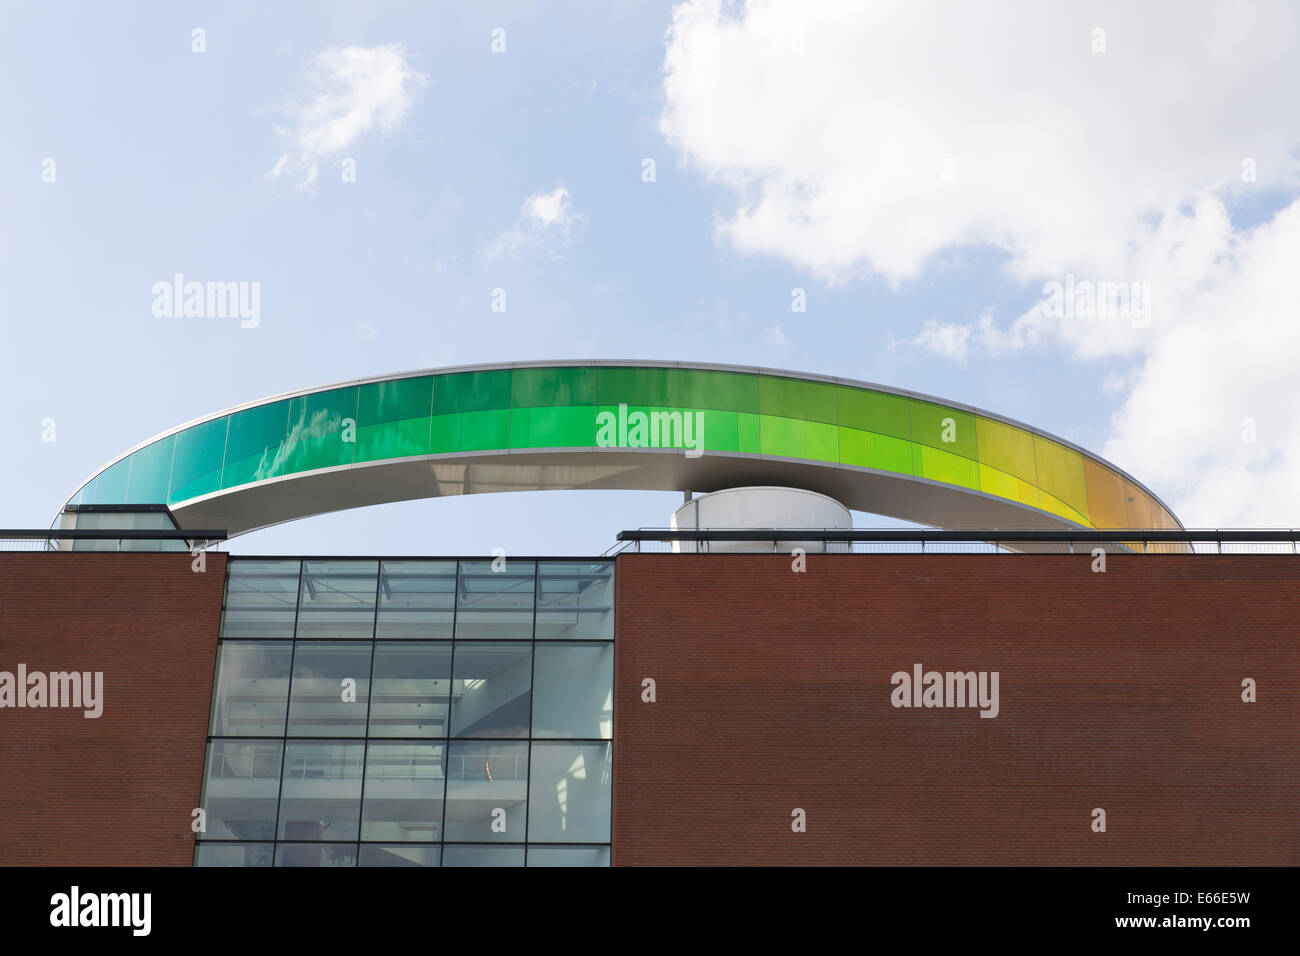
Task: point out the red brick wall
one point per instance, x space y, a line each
1119 690
116 790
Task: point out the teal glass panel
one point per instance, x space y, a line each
792 398
393 418
151 468
317 432
535 387
471 391
947 429
725 391
196 466
879 412
617 385
480 431
110 489
255 445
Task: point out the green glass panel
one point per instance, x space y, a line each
1006 448
538 387
110 489
878 412
792 398
393 418
1060 473
196 466
471 391
747 433
887 453
640 426
316 430
617 385
400 439
559 427
403 399
725 391
939 465
481 431
255 445
780 436
444 434
821 442
151 469
933 424
853 447
719 430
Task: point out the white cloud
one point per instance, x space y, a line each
776 335
347 92
837 155
906 130
947 339
543 216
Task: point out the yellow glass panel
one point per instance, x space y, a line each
1060 473
1007 448
1105 496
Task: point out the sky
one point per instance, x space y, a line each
931 175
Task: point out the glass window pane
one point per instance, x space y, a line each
261 599
573 691
241 788
254 444
321 704
196 464
317 430
252 689
416 599
491 690
575 600
483 856
487 792
373 854
338 599
410 688
321 793
234 854
495 603
570 793
404 789
568 856
315 854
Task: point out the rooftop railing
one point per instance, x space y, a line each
978 541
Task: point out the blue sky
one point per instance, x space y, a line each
163 164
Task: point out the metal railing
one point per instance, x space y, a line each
975 541
49 539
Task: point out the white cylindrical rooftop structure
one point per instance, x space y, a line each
760 508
